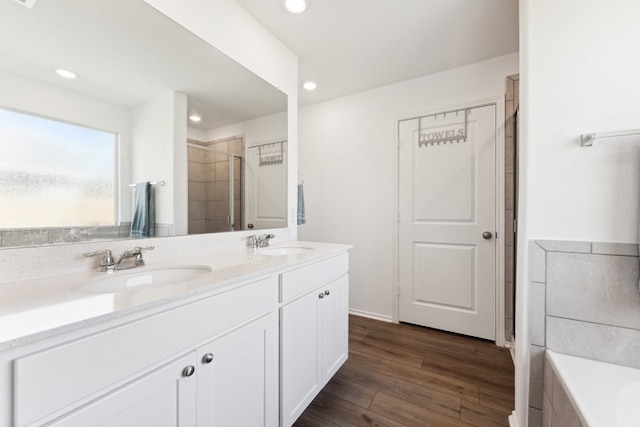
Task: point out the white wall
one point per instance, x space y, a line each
262 130
159 153
348 160
578 74
28 95
583 67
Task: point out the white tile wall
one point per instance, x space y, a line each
585 302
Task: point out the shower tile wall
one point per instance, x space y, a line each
584 301
512 100
209 186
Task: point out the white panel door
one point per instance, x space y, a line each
266 187
447 205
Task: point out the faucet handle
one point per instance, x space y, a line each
252 241
107 262
137 251
145 248
263 241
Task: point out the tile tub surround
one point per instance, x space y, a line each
47 306
584 301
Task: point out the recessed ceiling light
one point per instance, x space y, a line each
295 6
66 73
309 85
195 118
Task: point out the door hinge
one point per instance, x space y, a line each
515 225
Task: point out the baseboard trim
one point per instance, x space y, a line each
513 422
373 316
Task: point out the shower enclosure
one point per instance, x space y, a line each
215 185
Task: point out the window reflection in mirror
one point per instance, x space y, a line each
55 174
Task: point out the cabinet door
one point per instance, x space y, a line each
238 377
301 377
165 397
334 327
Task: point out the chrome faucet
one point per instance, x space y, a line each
255 242
132 258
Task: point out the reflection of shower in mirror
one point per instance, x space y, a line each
215 185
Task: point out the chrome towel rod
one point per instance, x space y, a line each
152 183
586 139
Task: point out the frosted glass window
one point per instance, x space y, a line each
55 174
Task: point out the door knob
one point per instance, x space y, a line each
207 358
487 235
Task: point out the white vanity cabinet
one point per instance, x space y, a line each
231 381
211 362
250 351
237 381
314 331
164 397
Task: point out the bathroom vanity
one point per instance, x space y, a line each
250 342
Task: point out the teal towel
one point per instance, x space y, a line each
301 212
144 214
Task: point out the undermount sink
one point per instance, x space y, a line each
127 281
284 250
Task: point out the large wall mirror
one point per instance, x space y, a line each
157 128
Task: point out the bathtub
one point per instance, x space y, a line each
603 394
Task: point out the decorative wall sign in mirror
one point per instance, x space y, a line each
98 96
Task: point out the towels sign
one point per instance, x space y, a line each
442 136
454 134
267 157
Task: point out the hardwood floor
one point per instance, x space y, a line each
406 375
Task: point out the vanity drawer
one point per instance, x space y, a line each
297 282
53 381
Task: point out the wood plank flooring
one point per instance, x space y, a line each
407 375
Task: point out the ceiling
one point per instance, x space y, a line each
128 53
347 46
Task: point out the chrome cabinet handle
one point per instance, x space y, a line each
188 371
327 292
487 235
321 295
207 358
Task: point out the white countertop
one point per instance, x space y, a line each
34 309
